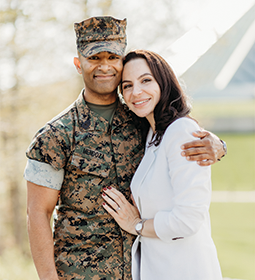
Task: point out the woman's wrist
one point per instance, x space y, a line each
139 226
148 229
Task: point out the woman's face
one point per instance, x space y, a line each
140 90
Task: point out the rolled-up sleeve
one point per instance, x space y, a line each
43 174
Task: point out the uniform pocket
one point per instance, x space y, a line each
92 162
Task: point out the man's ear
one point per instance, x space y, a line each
77 64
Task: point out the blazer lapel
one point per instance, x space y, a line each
144 167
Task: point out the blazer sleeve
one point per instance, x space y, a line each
191 185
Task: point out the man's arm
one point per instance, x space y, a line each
206 151
41 202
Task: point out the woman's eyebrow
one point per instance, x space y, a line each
125 81
145 74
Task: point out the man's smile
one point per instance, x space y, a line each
104 77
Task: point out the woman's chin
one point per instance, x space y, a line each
141 115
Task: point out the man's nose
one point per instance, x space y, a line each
104 66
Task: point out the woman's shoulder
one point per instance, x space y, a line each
181 128
184 123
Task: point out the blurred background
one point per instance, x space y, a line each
211 46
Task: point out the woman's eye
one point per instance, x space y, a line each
146 80
126 86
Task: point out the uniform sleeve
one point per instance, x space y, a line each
43 174
50 145
191 186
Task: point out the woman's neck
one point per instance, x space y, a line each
151 120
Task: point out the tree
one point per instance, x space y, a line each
37 37
9 106
36 51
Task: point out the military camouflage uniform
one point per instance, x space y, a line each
89 244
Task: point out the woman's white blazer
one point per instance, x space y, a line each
176 193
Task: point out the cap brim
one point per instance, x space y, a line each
104 46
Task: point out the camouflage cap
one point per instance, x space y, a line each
101 34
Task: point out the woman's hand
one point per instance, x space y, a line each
124 213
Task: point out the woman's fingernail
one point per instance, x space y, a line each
103 203
105 189
109 188
103 194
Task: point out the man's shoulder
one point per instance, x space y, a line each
67 114
51 144
69 117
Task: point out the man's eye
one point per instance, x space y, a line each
113 57
93 58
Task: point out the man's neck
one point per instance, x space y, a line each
100 99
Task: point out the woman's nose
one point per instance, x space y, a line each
137 90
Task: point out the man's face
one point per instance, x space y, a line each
101 74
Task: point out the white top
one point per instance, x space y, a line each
176 193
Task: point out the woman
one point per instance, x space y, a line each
171 194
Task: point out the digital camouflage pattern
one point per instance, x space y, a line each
89 244
100 34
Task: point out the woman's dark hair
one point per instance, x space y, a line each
173 101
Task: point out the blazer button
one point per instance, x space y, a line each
177 238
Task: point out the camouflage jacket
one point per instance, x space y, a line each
89 244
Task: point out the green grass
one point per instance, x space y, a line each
223 109
233 231
237 170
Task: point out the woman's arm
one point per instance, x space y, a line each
190 184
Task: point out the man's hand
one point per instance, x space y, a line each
206 151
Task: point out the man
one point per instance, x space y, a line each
91 145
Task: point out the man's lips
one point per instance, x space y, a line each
104 77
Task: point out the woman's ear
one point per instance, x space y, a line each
77 64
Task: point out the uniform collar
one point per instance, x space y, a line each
89 120
122 115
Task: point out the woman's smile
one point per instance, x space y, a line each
142 102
